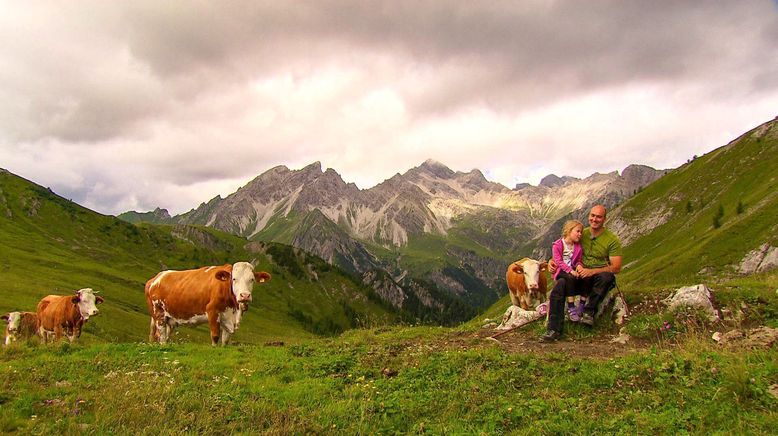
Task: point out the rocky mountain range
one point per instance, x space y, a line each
442 237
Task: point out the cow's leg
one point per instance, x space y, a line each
214 325
225 336
514 298
164 330
153 334
7 339
57 332
75 333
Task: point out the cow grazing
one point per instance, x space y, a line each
217 295
21 325
527 283
68 313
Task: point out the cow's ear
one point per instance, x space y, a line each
75 299
222 276
99 299
517 268
544 266
4 317
262 276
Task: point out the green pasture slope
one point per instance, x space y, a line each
50 245
719 207
400 380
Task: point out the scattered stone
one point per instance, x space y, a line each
773 390
693 297
622 338
490 325
761 337
274 344
731 336
388 373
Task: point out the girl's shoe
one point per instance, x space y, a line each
572 313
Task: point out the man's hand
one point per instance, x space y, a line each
584 272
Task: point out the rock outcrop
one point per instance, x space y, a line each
762 259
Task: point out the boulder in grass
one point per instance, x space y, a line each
516 316
693 297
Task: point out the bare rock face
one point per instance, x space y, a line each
762 259
629 230
386 288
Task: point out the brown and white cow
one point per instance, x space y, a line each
21 325
527 283
66 312
217 295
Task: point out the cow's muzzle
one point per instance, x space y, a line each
244 298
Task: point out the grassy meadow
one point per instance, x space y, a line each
390 380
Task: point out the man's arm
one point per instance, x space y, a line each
614 267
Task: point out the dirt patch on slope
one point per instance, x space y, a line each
599 346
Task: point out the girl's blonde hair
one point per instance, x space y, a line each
569 226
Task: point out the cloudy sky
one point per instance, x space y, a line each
133 105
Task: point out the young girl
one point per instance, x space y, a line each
567 254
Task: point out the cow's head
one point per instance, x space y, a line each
14 321
243 278
531 269
86 300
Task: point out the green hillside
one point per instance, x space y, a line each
696 242
717 208
49 245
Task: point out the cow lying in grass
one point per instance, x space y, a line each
527 283
21 325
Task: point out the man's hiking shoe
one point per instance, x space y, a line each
587 319
551 336
572 313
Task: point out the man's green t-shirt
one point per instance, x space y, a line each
597 251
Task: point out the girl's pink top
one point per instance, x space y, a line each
558 250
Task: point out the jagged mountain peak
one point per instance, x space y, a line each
313 167
553 181
435 168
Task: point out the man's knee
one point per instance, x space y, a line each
603 282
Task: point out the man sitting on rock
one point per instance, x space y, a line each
601 262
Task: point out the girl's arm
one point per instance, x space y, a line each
557 250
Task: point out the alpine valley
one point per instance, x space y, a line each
431 242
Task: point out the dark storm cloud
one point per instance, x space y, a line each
177 94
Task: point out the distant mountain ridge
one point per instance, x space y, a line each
430 227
